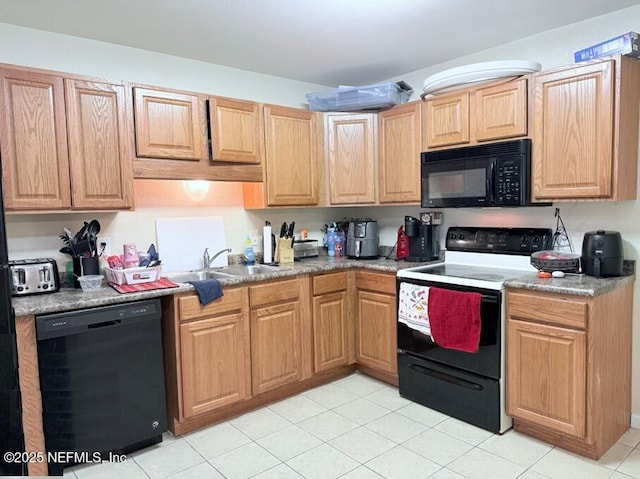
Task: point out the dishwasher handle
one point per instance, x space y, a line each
104 324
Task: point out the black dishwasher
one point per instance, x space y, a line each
102 381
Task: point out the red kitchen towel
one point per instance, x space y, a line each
162 283
455 319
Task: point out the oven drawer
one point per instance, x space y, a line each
468 397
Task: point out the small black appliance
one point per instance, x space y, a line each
602 253
424 239
495 174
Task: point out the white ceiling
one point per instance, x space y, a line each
328 42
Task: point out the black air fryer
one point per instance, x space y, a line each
602 253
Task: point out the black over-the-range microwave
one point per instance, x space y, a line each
495 174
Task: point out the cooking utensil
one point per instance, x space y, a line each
67 237
93 229
283 230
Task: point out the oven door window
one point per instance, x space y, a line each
457 183
485 362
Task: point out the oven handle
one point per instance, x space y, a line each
445 377
486 298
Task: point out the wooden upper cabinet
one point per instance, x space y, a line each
33 141
501 111
66 142
100 150
291 163
585 131
446 120
351 158
237 134
494 112
400 144
170 125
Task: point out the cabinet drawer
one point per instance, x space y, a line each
549 308
329 283
379 282
190 307
269 293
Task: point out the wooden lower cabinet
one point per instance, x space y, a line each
214 362
207 362
279 334
376 329
275 346
331 344
265 341
568 363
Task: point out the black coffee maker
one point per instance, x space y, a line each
424 238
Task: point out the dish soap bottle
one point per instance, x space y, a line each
249 255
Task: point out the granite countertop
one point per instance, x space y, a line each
68 299
575 284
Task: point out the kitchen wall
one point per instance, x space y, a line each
36 235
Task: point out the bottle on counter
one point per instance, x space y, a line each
339 245
331 241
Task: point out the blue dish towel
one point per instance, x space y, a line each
208 290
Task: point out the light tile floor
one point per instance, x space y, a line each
359 428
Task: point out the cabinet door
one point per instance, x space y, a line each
236 130
546 376
573 132
215 363
99 145
501 111
275 346
446 120
376 344
400 142
351 158
169 125
330 333
33 138
291 157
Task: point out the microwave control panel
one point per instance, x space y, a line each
510 187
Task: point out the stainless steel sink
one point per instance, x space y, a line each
232 271
242 270
186 276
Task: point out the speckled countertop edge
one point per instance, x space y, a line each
574 284
69 299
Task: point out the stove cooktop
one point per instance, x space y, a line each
483 257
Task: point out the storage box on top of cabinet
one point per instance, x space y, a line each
368 97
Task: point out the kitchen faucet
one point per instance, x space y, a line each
208 260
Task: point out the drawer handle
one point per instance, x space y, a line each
445 377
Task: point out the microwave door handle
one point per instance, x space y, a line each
491 182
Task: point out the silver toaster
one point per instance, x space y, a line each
34 276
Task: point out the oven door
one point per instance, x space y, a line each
457 183
486 361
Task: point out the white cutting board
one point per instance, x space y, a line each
181 242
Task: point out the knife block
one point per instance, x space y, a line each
284 251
